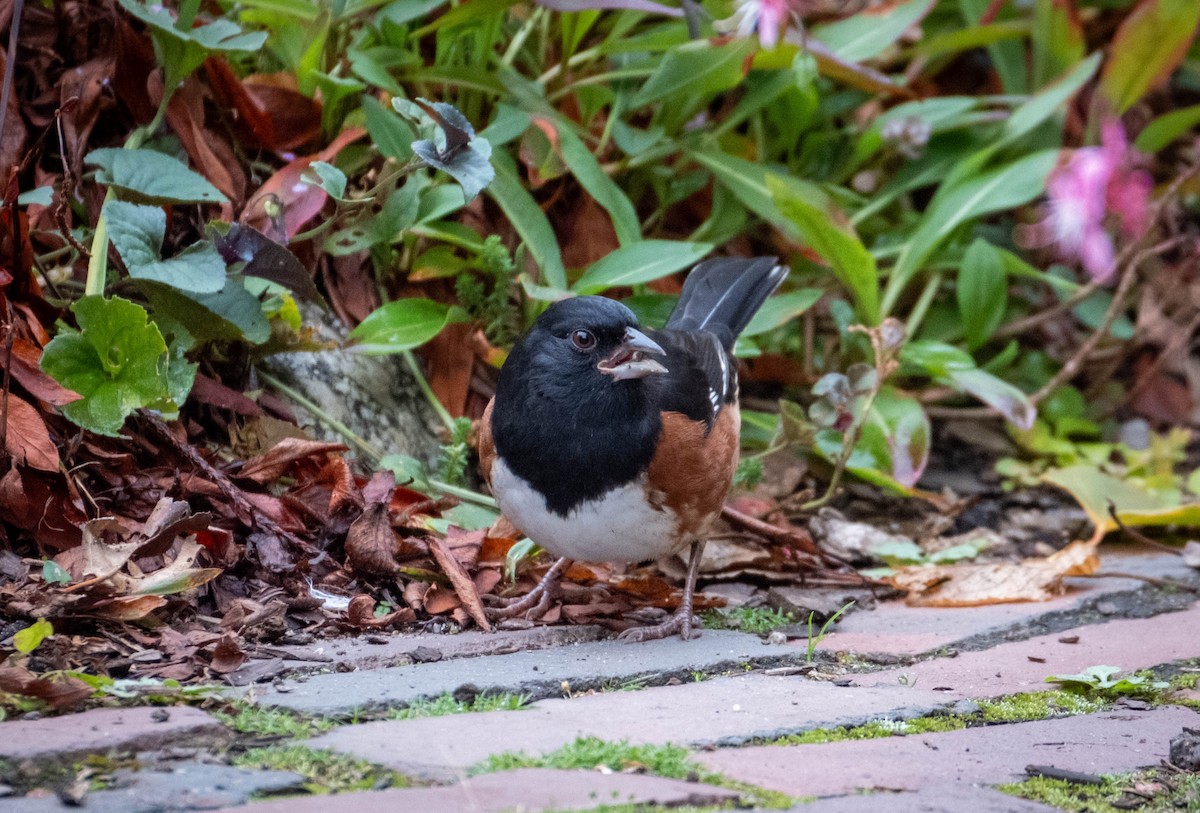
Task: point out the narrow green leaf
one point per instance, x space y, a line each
867 34
1057 39
697 68
599 185
528 220
1147 48
639 263
826 229
1168 127
781 309
982 292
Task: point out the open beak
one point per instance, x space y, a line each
629 359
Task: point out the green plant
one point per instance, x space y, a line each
814 641
756 620
1108 681
447 704
323 771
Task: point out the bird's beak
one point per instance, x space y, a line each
629 359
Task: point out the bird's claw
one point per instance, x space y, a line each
683 624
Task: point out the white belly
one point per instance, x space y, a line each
619 527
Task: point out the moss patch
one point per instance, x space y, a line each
263 722
323 771
757 620
447 704
1155 790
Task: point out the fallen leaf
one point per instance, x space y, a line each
127 608
227 655
26 437
60 691
463 586
970 584
371 544
274 463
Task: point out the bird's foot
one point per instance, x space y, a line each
682 623
530 606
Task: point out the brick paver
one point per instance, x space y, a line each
104 730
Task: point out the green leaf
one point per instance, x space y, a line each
529 221
452 146
149 176
32 636
982 292
1135 505
894 447
117 362
698 68
327 177
867 34
1056 38
231 314
1168 127
402 325
52 573
996 190
1007 58
599 185
826 229
639 263
781 309
388 131
1146 49
955 368
137 232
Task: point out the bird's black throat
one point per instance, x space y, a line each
573 440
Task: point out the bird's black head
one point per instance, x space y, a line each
595 336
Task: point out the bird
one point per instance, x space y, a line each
607 442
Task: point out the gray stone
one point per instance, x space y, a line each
528 790
721 711
545 673
1109 742
903 630
106 730
181 787
1023 666
940 799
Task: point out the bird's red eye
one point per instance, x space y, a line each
583 339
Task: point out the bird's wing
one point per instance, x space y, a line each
701 378
487 447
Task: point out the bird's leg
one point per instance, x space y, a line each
534 603
681 622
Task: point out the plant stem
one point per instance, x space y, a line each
366 449
411 360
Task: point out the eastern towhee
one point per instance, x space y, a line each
605 443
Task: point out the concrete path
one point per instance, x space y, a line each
722 703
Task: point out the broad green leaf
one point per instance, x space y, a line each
894 447
402 325
1094 490
391 136
117 361
137 231
639 263
528 220
398 214
149 176
977 36
697 68
327 177
451 144
955 368
865 35
982 289
823 226
599 185
1057 39
781 309
1168 127
996 190
53 573
32 636
1146 49
747 181
230 314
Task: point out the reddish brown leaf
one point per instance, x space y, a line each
465 545
343 491
272 464
209 391
459 579
298 201
60 691
361 613
371 544
272 114
440 600
449 359
127 608
27 439
211 154
227 655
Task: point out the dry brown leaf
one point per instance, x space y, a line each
272 464
371 544
127 608
227 655
463 586
972 584
60 691
439 600
26 438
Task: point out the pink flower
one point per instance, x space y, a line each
766 17
1096 184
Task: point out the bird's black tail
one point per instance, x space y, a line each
722 295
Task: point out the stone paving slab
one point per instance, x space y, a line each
544 673
939 799
902 630
1023 666
376 651
183 787
1102 743
528 790
104 730
720 711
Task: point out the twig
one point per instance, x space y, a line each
1074 777
1034 320
8 345
782 536
1136 535
1178 340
